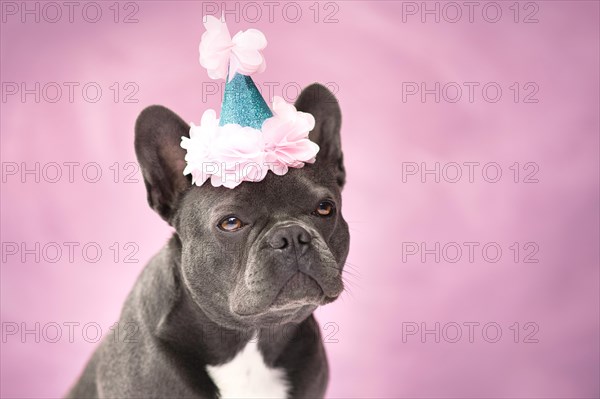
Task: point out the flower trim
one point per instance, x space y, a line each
231 154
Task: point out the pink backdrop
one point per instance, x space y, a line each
528 108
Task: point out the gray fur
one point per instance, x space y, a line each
203 296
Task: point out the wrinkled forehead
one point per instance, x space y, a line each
298 187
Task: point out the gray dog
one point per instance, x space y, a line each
225 308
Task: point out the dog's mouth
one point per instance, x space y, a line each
299 293
300 290
273 288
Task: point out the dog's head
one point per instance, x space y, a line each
264 252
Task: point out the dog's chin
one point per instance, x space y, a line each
300 290
297 298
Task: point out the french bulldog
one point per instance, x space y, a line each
225 309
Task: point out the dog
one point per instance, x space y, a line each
225 309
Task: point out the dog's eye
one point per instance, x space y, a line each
325 208
231 223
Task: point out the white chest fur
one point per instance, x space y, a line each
247 376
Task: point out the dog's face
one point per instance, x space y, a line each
264 252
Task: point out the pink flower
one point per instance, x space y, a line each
231 154
220 54
286 138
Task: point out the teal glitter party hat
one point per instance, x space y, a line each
243 104
247 140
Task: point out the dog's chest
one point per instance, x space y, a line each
247 376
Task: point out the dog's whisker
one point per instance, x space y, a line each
353 273
347 291
353 284
353 268
352 280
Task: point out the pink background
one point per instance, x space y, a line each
367 54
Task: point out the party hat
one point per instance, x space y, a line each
243 104
249 139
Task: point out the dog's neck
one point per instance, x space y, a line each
183 327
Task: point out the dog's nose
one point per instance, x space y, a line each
290 237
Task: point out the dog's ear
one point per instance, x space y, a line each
158 133
322 104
